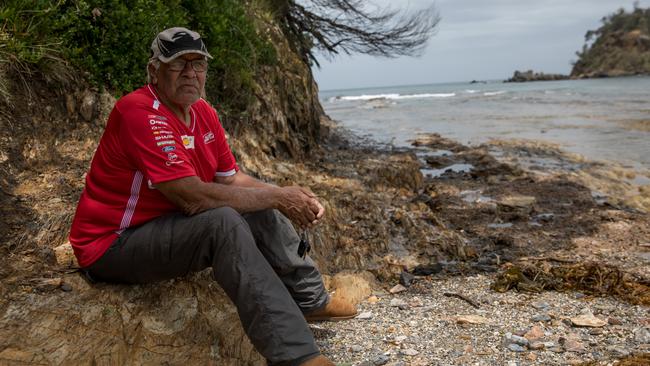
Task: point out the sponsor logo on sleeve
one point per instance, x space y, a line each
168 142
162 129
164 137
156 104
188 141
208 138
168 148
172 156
162 118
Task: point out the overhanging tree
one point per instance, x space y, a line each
354 26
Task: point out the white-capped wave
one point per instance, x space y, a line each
396 96
494 93
471 91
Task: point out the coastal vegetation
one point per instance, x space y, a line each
621 46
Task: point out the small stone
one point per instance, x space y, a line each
572 345
580 295
401 338
536 346
365 315
397 289
356 348
410 352
397 302
614 321
66 287
642 335
588 320
404 306
64 255
518 340
373 299
531 357
596 331
406 279
548 344
540 305
535 333
541 318
380 360
516 348
471 319
618 351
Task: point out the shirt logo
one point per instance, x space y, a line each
170 163
163 143
154 122
164 137
162 118
188 141
208 137
168 148
172 156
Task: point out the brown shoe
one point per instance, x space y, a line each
336 309
318 361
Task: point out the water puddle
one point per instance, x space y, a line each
455 168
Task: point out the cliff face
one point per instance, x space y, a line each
621 46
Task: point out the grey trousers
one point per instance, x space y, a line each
253 258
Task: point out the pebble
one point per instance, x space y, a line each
587 319
516 348
541 318
614 321
397 289
406 279
517 339
356 348
397 302
380 360
536 346
410 352
66 287
401 338
540 305
365 315
535 333
642 335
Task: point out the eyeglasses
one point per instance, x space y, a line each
199 65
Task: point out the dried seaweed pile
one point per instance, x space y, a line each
591 278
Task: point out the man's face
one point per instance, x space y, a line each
180 87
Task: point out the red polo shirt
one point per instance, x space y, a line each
144 144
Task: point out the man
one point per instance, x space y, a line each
164 197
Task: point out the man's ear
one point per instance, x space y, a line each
153 74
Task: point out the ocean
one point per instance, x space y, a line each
602 119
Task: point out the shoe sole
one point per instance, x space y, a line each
329 318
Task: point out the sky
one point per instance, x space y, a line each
479 40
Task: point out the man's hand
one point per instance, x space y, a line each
300 205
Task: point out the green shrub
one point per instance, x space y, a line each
109 40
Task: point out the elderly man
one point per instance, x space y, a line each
164 197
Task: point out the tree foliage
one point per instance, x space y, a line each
354 26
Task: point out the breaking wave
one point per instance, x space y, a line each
394 96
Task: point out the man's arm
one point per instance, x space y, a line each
244 194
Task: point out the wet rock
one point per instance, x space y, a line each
587 320
406 279
397 289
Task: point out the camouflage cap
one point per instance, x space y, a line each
177 41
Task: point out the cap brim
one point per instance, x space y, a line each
181 53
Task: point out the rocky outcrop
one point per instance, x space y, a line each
524 76
620 47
